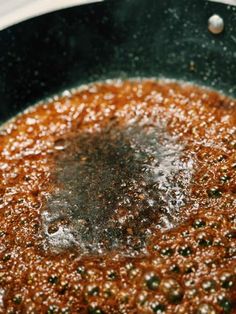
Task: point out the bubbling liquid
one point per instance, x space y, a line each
119 197
115 188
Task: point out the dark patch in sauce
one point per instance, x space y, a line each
115 188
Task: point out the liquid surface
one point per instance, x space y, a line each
115 188
120 198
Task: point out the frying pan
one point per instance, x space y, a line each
45 55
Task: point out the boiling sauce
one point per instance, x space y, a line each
119 197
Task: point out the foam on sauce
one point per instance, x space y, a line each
119 197
115 188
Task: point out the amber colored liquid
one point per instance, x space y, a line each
120 198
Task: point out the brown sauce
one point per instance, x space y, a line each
120 197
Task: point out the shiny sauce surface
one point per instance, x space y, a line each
120 197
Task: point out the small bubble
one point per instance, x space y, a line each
227 280
95 310
185 251
81 270
209 285
60 144
152 281
6 257
185 234
53 279
17 299
93 290
231 234
158 308
224 178
205 308
66 93
190 268
172 289
167 251
175 268
53 228
199 223
192 293
225 304
52 309
111 275
204 240
214 192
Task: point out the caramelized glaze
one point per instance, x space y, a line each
120 198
